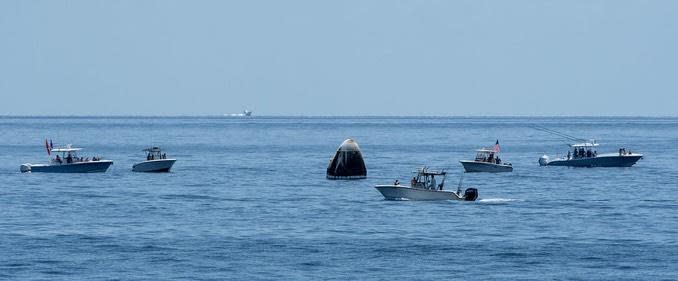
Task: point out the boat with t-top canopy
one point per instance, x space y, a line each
586 155
487 160
423 186
68 161
156 161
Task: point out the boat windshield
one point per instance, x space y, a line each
484 155
154 153
427 179
487 156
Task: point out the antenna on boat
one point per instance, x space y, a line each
461 180
442 183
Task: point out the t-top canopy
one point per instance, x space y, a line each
152 149
586 144
67 148
426 171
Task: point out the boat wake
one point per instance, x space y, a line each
498 200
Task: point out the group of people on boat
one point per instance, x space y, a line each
150 156
492 159
69 159
622 151
429 184
580 152
488 157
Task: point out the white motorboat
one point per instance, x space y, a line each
245 113
423 187
68 162
584 153
156 161
487 160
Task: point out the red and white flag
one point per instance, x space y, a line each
496 146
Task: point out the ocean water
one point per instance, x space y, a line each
248 199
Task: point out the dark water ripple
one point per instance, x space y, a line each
248 200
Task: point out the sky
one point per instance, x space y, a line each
339 58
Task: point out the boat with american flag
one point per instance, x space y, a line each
487 160
66 160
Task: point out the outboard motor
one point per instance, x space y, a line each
25 168
470 194
544 160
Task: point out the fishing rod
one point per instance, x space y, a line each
461 180
556 133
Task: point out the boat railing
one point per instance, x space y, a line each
74 160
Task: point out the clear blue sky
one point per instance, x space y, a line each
339 57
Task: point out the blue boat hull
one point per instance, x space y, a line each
81 167
601 161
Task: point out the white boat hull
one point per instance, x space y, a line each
474 167
399 192
160 165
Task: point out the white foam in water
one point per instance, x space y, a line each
497 200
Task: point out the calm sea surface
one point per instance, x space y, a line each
248 199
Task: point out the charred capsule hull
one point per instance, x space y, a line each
347 163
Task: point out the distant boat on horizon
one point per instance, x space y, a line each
245 113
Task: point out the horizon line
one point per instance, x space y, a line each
328 116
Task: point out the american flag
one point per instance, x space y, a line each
496 146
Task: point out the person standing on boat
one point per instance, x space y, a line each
432 184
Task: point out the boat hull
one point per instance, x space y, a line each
154 166
478 167
80 167
613 160
399 192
